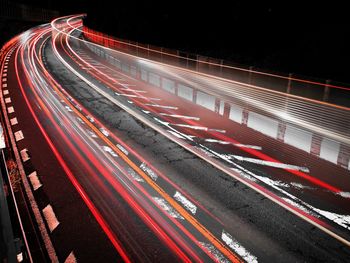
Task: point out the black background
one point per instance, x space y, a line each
306 38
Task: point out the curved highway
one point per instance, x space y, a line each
140 161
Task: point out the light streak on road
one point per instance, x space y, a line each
115 174
252 150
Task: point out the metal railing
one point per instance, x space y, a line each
326 91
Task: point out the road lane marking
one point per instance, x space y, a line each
20 257
122 149
177 135
71 258
4 79
161 106
34 180
7 100
235 144
10 109
127 85
24 155
238 248
149 171
4 75
268 163
19 136
185 202
50 218
219 257
167 207
91 119
180 116
13 121
104 131
4 85
344 194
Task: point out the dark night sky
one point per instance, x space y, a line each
287 36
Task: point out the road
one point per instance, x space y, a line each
136 160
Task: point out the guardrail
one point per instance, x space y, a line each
327 91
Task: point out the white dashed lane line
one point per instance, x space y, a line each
19 135
14 121
10 110
50 218
34 180
24 155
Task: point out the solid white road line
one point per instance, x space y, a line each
19 135
268 163
34 180
50 218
